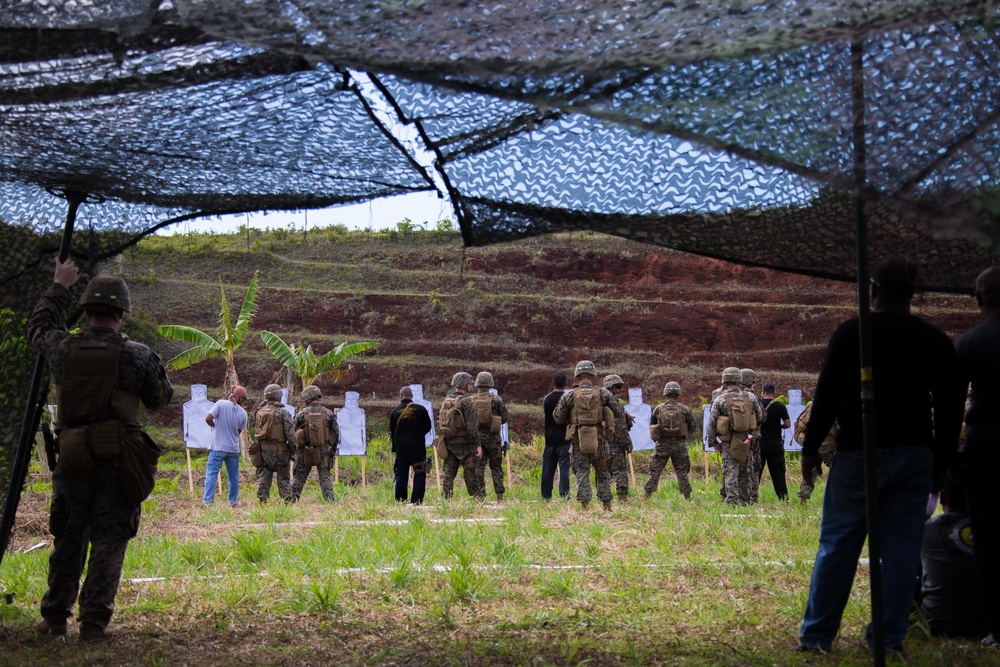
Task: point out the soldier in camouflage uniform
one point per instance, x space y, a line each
327 448
585 374
619 440
464 448
101 377
748 378
736 475
277 445
670 446
490 440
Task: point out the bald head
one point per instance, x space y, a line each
405 393
988 290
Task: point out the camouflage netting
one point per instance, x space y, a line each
719 128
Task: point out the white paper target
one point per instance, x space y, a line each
642 413
197 433
353 434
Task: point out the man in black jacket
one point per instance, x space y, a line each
557 448
409 424
918 398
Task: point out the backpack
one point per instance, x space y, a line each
267 425
316 432
451 422
671 420
587 408
829 445
741 416
483 402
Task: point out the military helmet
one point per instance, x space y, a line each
585 368
748 377
672 389
612 381
310 392
272 392
732 375
461 380
484 379
107 291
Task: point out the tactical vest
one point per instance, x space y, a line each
315 432
671 421
587 409
88 391
269 428
451 421
483 402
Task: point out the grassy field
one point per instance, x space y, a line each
367 581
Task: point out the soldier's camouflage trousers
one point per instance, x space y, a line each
735 478
275 463
464 456
492 457
675 449
755 459
88 512
618 468
582 463
300 473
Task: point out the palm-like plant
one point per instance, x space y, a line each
229 336
304 362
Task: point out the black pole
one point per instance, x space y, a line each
32 413
865 334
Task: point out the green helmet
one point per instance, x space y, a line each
461 380
107 291
732 375
613 380
671 389
748 377
484 379
272 392
585 368
310 392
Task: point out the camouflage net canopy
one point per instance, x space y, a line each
720 128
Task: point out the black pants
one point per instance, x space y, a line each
552 456
773 456
402 469
981 464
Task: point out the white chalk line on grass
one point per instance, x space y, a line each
370 522
528 566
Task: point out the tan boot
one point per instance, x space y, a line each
56 628
607 505
90 632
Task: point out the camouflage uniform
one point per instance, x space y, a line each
755 457
301 471
736 476
277 455
91 520
581 462
462 452
492 449
619 446
826 453
671 447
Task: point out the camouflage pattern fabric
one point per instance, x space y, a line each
619 446
276 462
671 448
492 449
736 477
462 453
580 462
91 521
301 471
826 453
755 457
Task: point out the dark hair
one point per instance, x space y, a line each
559 380
988 287
896 278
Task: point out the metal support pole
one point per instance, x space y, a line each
865 334
32 409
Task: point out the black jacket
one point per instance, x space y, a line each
409 425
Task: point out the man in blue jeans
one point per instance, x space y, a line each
228 419
918 401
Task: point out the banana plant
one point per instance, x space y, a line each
229 336
303 361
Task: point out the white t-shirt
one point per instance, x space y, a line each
230 419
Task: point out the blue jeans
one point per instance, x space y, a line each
904 477
215 461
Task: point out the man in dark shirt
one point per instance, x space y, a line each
557 449
979 360
409 425
772 442
918 398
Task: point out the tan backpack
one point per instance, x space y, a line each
483 402
741 415
451 422
587 416
314 432
671 421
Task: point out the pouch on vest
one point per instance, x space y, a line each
587 408
655 431
256 457
741 416
138 468
739 449
312 456
439 447
609 420
451 421
589 439
317 434
301 439
722 428
496 421
483 402
672 421
75 460
105 440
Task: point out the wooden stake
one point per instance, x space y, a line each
437 469
631 469
364 482
190 478
336 469
704 456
